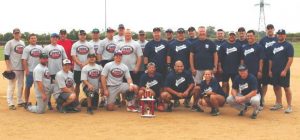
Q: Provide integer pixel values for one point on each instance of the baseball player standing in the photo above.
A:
(79, 53)
(42, 85)
(279, 70)
(12, 54)
(56, 54)
(91, 76)
(105, 52)
(30, 58)
(242, 36)
(65, 42)
(120, 36)
(95, 42)
(169, 35)
(192, 34)
(142, 41)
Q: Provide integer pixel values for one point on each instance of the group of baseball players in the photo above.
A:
(118, 70)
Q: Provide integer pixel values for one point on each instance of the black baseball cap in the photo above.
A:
(95, 30)
(156, 29)
(270, 26)
(54, 35)
(241, 29)
(141, 32)
(63, 31)
(169, 31)
(16, 30)
(82, 32)
(91, 55)
(191, 29)
(43, 55)
(281, 32)
(109, 29)
(242, 67)
(180, 30)
(121, 26)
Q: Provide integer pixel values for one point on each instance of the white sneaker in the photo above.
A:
(276, 107)
(131, 109)
(261, 108)
(288, 110)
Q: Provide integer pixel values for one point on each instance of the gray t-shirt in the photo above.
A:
(107, 48)
(81, 50)
(32, 55)
(92, 74)
(119, 39)
(95, 45)
(14, 49)
(63, 79)
(41, 74)
(142, 44)
(56, 54)
(115, 73)
(131, 51)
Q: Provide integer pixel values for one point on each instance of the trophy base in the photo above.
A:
(147, 116)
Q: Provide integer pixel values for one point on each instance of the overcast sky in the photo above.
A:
(39, 16)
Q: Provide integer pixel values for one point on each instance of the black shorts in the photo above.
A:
(77, 77)
(277, 80)
(265, 80)
(104, 62)
(226, 76)
(89, 93)
(218, 76)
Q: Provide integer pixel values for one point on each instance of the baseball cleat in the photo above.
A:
(12, 107)
(131, 109)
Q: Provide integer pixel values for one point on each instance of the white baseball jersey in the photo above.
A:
(63, 79)
(81, 50)
(56, 54)
(14, 49)
(41, 74)
(131, 51)
(107, 48)
(119, 39)
(92, 74)
(115, 73)
(95, 45)
(32, 55)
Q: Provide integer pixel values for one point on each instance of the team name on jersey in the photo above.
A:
(110, 47)
(179, 81)
(151, 83)
(82, 50)
(159, 48)
(55, 54)
(206, 46)
(179, 48)
(117, 72)
(276, 50)
(19, 49)
(243, 86)
(218, 47)
(269, 44)
(127, 50)
(231, 50)
(209, 89)
(249, 51)
(94, 74)
(35, 52)
(69, 82)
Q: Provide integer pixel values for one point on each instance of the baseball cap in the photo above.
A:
(232, 33)
(242, 67)
(169, 31)
(118, 52)
(156, 29)
(281, 32)
(43, 55)
(191, 29)
(91, 55)
(54, 35)
(270, 26)
(16, 30)
(220, 30)
(241, 29)
(66, 61)
(95, 30)
(82, 32)
(141, 32)
(109, 29)
(121, 26)
(180, 30)
(63, 31)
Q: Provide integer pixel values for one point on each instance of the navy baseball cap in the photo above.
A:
(281, 32)
(91, 55)
(82, 32)
(121, 26)
(191, 29)
(156, 29)
(43, 55)
(180, 30)
(169, 31)
(118, 52)
(241, 29)
(95, 30)
(270, 26)
(109, 29)
(141, 32)
(242, 67)
(54, 35)
(63, 31)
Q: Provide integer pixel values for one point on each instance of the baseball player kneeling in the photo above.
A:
(42, 86)
(90, 76)
(112, 82)
(245, 92)
(64, 89)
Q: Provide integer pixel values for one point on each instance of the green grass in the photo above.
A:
(296, 49)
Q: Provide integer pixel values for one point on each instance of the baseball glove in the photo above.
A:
(10, 75)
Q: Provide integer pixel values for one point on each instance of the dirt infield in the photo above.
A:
(179, 124)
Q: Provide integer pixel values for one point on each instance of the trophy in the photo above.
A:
(147, 104)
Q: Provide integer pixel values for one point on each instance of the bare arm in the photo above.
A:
(99, 57)
(289, 63)
(171, 91)
(25, 66)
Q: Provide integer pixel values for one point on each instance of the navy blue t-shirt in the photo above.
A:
(230, 57)
(212, 86)
(192, 40)
(280, 54)
(155, 83)
(219, 43)
(252, 54)
(180, 50)
(242, 42)
(171, 41)
(203, 54)
(179, 81)
(245, 86)
(156, 51)
(267, 43)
